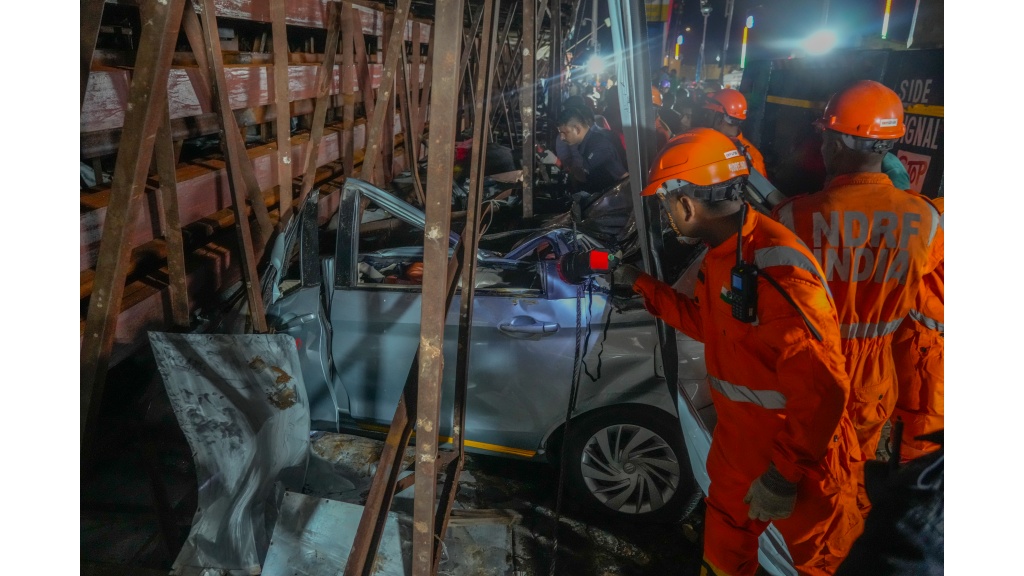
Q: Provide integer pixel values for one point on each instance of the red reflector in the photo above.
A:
(298, 343)
(599, 261)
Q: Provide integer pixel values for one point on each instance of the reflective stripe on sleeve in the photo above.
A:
(936, 222)
(868, 330)
(770, 399)
(929, 323)
(786, 256)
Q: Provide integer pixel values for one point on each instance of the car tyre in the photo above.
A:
(629, 463)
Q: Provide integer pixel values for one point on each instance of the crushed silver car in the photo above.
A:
(348, 292)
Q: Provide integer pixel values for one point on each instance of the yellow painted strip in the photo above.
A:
(502, 449)
(470, 443)
(794, 102)
(918, 109)
(925, 110)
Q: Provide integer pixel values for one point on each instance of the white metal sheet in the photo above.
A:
(242, 406)
(314, 536)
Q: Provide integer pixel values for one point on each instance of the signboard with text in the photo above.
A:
(917, 77)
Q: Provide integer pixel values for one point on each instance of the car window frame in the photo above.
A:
(346, 269)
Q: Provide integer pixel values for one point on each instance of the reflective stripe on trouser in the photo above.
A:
(869, 330)
(919, 357)
(824, 524)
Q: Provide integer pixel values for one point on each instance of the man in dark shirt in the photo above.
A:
(668, 114)
(601, 166)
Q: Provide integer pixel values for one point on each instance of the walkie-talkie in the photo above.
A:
(742, 293)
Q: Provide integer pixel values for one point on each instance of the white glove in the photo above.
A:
(771, 496)
(625, 275)
(548, 157)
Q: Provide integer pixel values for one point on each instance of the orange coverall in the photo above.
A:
(755, 155)
(780, 396)
(875, 242)
(917, 348)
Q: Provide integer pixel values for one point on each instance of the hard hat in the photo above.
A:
(729, 102)
(656, 96)
(866, 109)
(415, 272)
(704, 160)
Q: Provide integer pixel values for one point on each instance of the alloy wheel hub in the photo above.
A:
(630, 469)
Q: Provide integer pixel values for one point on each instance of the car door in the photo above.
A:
(522, 344)
(296, 307)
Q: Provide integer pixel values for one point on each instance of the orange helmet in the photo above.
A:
(704, 161)
(415, 272)
(656, 96)
(866, 109)
(729, 102)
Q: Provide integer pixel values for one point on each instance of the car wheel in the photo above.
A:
(629, 463)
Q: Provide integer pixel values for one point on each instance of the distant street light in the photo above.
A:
(743, 50)
(885, 19)
(705, 9)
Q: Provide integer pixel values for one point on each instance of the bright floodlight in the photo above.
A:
(595, 65)
(820, 42)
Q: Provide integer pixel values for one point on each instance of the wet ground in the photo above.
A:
(145, 465)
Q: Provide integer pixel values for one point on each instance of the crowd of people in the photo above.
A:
(822, 322)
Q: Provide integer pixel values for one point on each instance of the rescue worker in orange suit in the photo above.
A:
(917, 349)
(725, 110)
(874, 242)
(783, 448)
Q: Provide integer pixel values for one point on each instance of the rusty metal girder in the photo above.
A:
(348, 87)
(91, 17)
(428, 76)
(147, 100)
(235, 158)
(394, 53)
(171, 222)
(230, 135)
(282, 123)
(443, 112)
(527, 104)
(471, 240)
(557, 61)
(324, 76)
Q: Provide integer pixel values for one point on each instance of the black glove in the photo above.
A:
(625, 275)
(771, 496)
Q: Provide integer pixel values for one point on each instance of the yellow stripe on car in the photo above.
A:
(470, 443)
